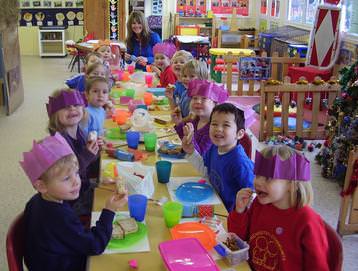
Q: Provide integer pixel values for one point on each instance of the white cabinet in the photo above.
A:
(52, 41)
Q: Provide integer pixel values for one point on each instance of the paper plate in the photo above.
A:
(177, 256)
(194, 192)
(130, 239)
(203, 233)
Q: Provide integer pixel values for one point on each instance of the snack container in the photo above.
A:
(234, 257)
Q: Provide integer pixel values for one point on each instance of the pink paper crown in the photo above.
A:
(66, 98)
(296, 168)
(208, 89)
(165, 48)
(43, 155)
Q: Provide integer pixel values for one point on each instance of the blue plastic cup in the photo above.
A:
(163, 171)
(132, 139)
(137, 205)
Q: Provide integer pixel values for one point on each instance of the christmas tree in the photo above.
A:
(342, 127)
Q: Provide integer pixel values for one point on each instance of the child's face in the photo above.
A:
(105, 52)
(65, 185)
(223, 131)
(93, 60)
(201, 106)
(186, 78)
(71, 115)
(275, 191)
(99, 71)
(161, 61)
(177, 64)
(98, 94)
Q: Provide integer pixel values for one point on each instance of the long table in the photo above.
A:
(157, 230)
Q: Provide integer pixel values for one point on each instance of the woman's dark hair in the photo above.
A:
(229, 108)
(137, 16)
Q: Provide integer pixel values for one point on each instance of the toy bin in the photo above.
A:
(234, 257)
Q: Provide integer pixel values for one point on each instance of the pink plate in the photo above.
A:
(185, 255)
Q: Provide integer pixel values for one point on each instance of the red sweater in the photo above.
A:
(167, 77)
(291, 239)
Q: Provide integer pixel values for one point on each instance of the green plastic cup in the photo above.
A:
(129, 92)
(172, 211)
(150, 141)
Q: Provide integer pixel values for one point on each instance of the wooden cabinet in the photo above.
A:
(100, 16)
(52, 41)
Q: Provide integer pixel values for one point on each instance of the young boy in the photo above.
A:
(55, 237)
(225, 163)
(163, 52)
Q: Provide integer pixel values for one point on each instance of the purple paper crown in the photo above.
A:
(165, 48)
(43, 155)
(66, 98)
(296, 168)
(208, 89)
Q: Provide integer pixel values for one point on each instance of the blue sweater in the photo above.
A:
(56, 239)
(182, 99)
(229, 172)
(145, 51)
(77, 81)
(96, 118)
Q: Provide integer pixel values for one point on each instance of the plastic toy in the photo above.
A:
(133, 263)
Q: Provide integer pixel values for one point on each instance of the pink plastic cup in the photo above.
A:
(149, 80)
(130, 69)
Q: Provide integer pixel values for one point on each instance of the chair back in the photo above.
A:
(335, 253)
(15, 244)
(246, 143)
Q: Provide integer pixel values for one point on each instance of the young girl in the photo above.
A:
(78, 81)
(103, 47)
(66, 109)
(163, 52)
(178, 97)
(55, 237)
(97, 91)
(283, 231)
(179, 59)
(204, 96)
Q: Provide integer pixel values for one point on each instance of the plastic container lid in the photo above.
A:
(203, 233)
(185, 255)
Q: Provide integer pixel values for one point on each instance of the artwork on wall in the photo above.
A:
(157, 6)
(254, 68)
(191, 8)
(113, 20)
(226, 6)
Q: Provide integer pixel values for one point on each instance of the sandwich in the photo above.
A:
(123, 227)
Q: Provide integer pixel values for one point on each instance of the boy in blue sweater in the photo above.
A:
(225, 163)
(55, 237)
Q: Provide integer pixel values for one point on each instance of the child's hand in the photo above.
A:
(187, 141)
(115, 201)
(243, 198)
(169, 92)
(92, 147)
(176, 116)
(100, 142)
(156, 70)
(141, 60)
(127, 56)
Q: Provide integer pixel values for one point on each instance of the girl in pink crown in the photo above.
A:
(163, 52)
(204, 96)
(283, 231)
(55, 237)
(66, 110)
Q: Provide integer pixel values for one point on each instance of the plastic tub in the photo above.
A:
(237, 256)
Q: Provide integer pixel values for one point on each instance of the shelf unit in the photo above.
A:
(52, 41)
(207, 30)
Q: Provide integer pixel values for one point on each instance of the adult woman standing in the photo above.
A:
(140, 40)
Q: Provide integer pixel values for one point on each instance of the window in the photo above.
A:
(351, 15)
(303, 11)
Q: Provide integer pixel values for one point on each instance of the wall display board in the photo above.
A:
(191, 7)
(157, 7)
(254, 68)
(226, 6)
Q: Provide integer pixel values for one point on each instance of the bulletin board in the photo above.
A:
(254, 68)
(191, 7)
(226, 6)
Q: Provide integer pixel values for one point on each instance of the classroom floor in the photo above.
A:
(43, 75)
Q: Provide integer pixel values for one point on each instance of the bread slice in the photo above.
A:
(117, 232)
(128, 225)
(121, 186)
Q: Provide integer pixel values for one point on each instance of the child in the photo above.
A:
(66, 109)
(103, 47)
(97, 90)
(163, 52)
(55, 237)
(179, 59)
(178, 98)
(225, 163)
(78, 81)
(283, 231)
(205, 95)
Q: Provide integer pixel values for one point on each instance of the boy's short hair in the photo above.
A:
(199, 68)
(92, 80)
(69, 161)
(184, 54)
(89, 55)
(229, 108)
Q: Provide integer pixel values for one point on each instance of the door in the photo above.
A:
(95, 18)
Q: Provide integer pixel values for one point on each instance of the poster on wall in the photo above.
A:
(191, 8)
(254, 68)
(226, 6)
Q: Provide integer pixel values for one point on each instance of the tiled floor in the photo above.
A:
(41, 77)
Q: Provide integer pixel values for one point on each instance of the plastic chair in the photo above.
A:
(335, 253)
(15, 244)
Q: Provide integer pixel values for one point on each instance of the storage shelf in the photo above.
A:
(51, 41)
